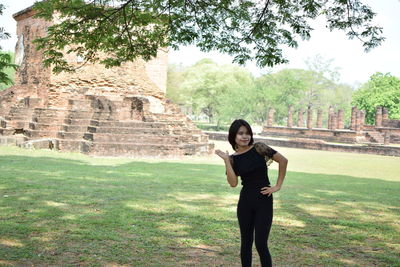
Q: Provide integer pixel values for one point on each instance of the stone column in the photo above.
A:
(309, 117)
(385, 113)
(300, 118)
(330, 117)
(319, 118)
(361, 119)
(333, 121)
(353, 118)
(290, 117)
(378, 117)
(270, 120)
(340, 123)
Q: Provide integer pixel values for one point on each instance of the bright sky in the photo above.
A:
(355, 66)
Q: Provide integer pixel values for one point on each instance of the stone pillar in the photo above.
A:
(330, 117)
(353, 118)
(290, 117)
(300, 118)
(361, 119)
(385, 113)
(378, 116)
(319, 118)
(270, 120)
(309, 117)
(333, 121)
(340, 122)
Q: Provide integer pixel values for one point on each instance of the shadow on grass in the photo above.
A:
(66, 212)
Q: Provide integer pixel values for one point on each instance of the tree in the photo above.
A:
(7, 71)
(248, 30)
(381, 90)
(300, 88)
(221, 92)
(5, 58)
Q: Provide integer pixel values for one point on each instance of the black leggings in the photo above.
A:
(254, 212)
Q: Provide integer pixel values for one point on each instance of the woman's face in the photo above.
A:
(242, 137)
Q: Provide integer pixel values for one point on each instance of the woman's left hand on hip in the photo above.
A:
(269, 190)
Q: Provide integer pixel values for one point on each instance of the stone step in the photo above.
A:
(126, 130)
(71, 135)
(20, 111)
(12, 139)
(134, 138)
(74, 128)
(376, 137)
(16, 118)
(82, 114)
(186, 131)
(79, 115)
(48, 112)
(77, 122)
(47, 120)
(128, 124)
(73, 145)
(128, 149)
(44, 126)
(199, 138)
(198, 148)
(119, 149)
(18, 124)
(7, 131)
(34, 134)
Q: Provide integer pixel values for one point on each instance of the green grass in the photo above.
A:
(67, 209)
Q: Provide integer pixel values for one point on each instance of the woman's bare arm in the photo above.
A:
(230, 173)
(282, 161)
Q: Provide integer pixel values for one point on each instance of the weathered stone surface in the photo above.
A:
(306, 144)
(98, 111)
(358, 132)
(290, 117)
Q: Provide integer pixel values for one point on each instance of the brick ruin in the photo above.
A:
(384, 132)
(96, 111)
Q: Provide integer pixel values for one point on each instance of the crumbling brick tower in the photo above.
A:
(97, 111)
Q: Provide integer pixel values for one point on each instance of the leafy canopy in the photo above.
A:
(381, 90)
(246, 29)
(5, 58)
(227, 92)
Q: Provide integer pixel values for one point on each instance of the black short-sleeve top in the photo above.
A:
(251, 165)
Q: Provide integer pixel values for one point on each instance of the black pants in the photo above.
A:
(254, 212)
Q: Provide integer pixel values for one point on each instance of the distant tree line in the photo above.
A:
(222, 93)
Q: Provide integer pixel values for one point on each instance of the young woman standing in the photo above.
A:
(255, 206)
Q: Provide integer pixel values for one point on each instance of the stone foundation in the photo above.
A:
(385, 131)
(318, 145)
(120, 111)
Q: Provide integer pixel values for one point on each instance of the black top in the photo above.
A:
(251, 165)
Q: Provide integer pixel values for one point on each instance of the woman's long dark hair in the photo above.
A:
(236, 124)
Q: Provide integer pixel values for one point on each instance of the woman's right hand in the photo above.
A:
(223, 155)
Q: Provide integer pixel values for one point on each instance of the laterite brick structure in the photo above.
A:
(120, 111)
(384, 132)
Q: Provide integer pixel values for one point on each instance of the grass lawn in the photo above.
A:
(68, 209)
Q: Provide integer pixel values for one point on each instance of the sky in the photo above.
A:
(354, 65)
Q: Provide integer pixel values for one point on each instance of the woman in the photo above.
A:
(255, 206)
